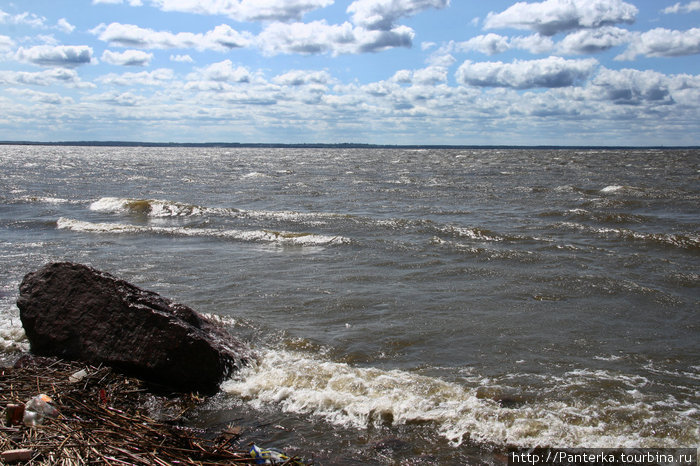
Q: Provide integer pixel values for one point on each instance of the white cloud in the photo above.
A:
(430, 75)
(35, 21)
(43, 78)
(68, 56)
(526, 74)
(383, 14)
(127, 58)
(246, 10)
(402, 76)
(662, 42)
(686, 8)
(306, 38)
(221, 38)
(42, 97)
(6, 43)
(489, 44)
(121, 99)
(593, 40)
(492, 44)
(118, 2)
(65, 26)
(534, 43)
(181, 58)
(631, 87)
(144, 78)
(222, 71)
(318, 37)
(302, 77)
(249, 97)
(26, 18)
(553, 16)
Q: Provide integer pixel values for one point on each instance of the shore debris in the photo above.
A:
(105, 418)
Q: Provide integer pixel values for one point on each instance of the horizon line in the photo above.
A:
(323, 145)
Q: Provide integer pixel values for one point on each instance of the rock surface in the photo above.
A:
(76, 312)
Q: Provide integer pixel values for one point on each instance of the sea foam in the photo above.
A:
(266, 236)
(361, 397)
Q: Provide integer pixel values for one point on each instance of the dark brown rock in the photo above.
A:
(76, 312)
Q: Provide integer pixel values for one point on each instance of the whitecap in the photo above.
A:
(267, 236)
(365, 397)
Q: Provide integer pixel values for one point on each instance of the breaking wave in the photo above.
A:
(361, 397)
(150, 207)
(265, 236)
(165, 208)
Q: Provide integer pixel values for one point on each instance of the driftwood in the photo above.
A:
(102, 420)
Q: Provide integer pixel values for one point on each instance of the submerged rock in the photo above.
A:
(76, 312)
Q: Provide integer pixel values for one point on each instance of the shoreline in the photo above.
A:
(110, 418)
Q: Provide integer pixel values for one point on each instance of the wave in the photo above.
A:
(365, 397)
(151, 207)
(678, 240)
(47, 200)
(265, 236)
(165, 208)
(523, 256)
(600, 217)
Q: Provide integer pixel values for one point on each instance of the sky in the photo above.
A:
(461, 72)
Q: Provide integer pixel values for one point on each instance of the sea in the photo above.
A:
(407, 306)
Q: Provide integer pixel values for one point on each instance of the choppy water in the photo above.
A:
(408, 305)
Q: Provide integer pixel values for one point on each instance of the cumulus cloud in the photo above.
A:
(302, 77)
(492, 44)
(246, 10)
(67, 56)
(554, 16)
(6, 43)
(26, 18)
(43, 78)
(42, 97)
(662, 42)
(222, 71)
(383, 14)
(593, 40)
(118, 2)
(489, 44)
(631, 87)
(221, 38)
(144, 78)
(127, 58)
(318, 37)
(249, 97)
(430, 75)
(549, 72)
(685, 8)
(181, 58)
(125, 99)
(305, 38)
(35, 21)
(65, 26)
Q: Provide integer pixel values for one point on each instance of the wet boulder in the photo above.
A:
(75, 312)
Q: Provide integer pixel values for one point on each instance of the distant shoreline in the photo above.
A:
(344, 145)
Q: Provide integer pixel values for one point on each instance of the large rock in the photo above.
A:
(76, 312)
